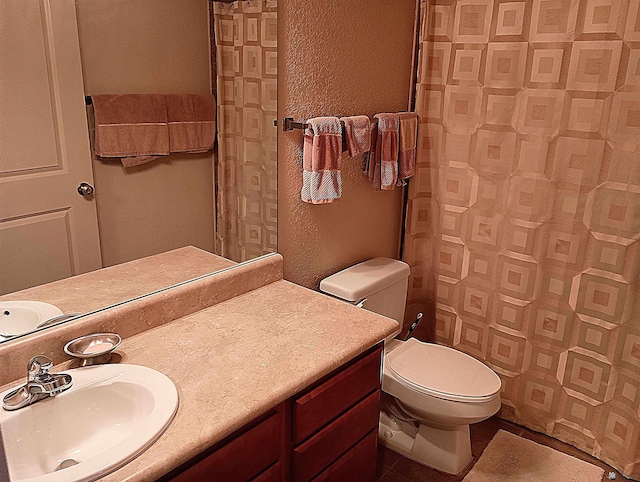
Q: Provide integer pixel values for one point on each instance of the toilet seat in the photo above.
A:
(442, 372)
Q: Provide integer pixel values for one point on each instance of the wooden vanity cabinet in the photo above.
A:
(332, 417)
(255, 452)
(327, 432)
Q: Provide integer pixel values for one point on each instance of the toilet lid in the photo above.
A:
(442, 372)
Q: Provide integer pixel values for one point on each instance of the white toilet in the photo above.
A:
(431, 393)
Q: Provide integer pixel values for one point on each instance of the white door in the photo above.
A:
(47, 230)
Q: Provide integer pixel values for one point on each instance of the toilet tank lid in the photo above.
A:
(363, 279)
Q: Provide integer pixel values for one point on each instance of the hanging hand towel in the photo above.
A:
(371, 160)
(357, 133)
(132, 127)
(386, 155)
(192, 122)
(407, 140)
(322, 161)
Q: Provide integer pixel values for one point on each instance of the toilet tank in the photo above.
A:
(381, 282)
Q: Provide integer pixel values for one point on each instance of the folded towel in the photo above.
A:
(192, 122)
(407, 141)
(357, 133)
(322, 161)
(386, 154)
(132, 127)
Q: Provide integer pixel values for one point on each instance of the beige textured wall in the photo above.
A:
(338, 58)
(146, 46)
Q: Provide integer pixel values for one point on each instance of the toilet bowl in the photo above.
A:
(435, 393)
(431, 393)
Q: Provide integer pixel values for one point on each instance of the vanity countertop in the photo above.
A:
(94, 290)
(235, 360)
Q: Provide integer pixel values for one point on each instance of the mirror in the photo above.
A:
(191, 213)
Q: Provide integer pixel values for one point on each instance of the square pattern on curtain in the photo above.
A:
(246, 48)
(524, 215)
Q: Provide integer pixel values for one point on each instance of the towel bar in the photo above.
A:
(288, 124)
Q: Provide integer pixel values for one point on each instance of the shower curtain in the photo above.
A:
(245, 63)
(524, 217)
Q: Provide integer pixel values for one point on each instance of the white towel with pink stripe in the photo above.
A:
(322, 161)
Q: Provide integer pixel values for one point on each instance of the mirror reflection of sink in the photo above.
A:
(18, 317)
(110, 415)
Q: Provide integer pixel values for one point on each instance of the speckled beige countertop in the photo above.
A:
(235, 360)
(88, 292)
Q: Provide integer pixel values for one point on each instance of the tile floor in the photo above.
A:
(393, 467)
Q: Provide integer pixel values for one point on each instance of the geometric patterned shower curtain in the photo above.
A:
(523, 222)
(246, 61)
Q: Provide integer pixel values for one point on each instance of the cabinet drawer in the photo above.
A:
(272, 474)
(335, 439)
(324, 403)
(242, 458)
(357, 465)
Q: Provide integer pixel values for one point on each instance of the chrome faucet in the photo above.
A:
(40, 384)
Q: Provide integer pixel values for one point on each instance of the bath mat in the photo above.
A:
(516, 459)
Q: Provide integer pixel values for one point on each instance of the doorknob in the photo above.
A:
(85, 189)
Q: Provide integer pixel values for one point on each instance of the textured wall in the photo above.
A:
(523, 221)
(149, 47)
(338, 58)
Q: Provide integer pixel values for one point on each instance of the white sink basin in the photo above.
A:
(110, 415)
(18, 317)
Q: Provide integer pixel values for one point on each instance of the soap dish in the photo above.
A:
(93, 349)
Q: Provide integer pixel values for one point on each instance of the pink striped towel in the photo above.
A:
(322, 161)
(357, 133)
(132, 127)
(407, 145)
(386, 155)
